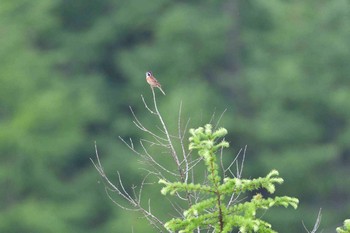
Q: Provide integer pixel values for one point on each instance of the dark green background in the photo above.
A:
(70, 69)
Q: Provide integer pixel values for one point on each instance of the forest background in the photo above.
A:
(69, 70)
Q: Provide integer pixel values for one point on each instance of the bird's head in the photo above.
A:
(148, 74)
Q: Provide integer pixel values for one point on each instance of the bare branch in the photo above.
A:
(135, 202)
(233, 162)
(141, 127)
(173, 152)
(317, 223)
(194, 163)
(176, 207)
(150, 158)
(212, 116)
(222, 162)
(154, 143)
(218, 121)
(113, 188)
(182, 143)
(144, 102)
(240, 171)
(110, 197)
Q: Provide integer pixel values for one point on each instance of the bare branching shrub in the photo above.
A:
(212, 203)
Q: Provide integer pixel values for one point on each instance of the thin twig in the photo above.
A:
(218, 121)
(173, 152)
(144, 102)
(155, 162)
(182, 143)
(153, 220)
(317, 223)
(239, 172)
(141, 127)
(212, 117)
(222, 162)
(233, 162)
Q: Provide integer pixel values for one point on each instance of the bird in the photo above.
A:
(152, 81)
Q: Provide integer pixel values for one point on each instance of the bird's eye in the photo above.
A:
(148, 73)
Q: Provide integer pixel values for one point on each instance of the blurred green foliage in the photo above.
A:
(70, 69)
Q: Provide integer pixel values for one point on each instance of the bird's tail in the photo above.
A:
(161, 90)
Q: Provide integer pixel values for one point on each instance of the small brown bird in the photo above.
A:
(152, 81)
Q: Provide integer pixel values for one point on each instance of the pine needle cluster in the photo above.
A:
(345, 228)
(217, 210)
